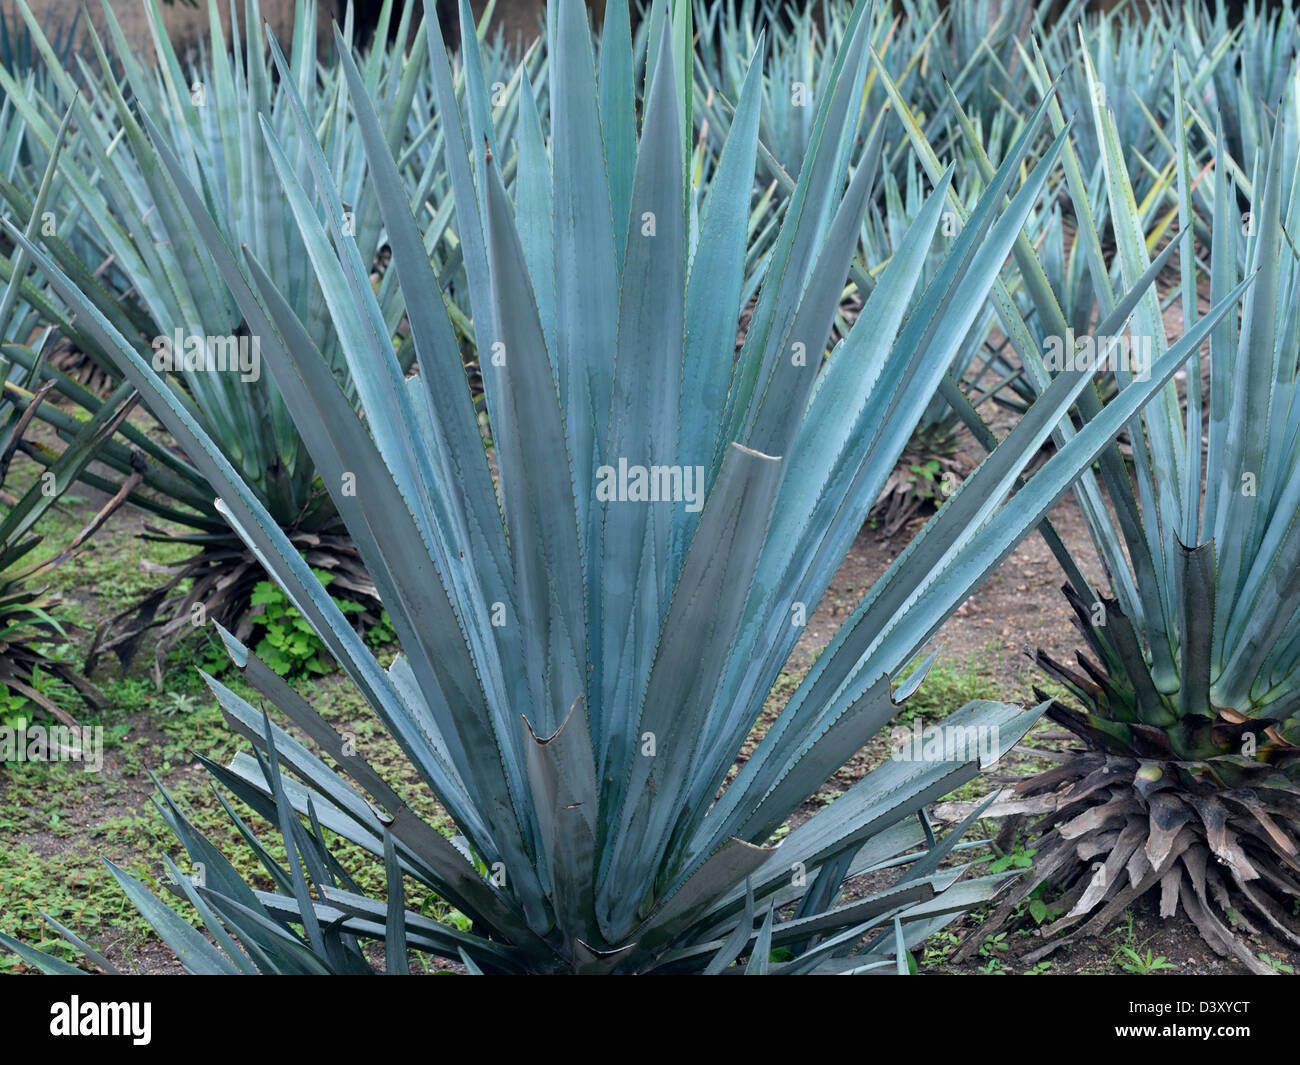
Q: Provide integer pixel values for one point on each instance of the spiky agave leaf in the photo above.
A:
(579, 671)
(933, 462)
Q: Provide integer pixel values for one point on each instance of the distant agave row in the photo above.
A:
(175, 296)
(579, 670)
(952, 67)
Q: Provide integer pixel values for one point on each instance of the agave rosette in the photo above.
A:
(210, 116)
(1190, 698)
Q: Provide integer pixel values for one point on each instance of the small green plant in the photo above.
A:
(287, 644)
(17, 710)
(1278, 966)
(1040, 909)
(926, 479)
(440, 910)
(178, 703)
(1134, 961)
(1016, 858)
(14, 709)
(939, 946)
(994, 945)
(49, 686)
(1129, 956)
(381, 633)
(1042, 968)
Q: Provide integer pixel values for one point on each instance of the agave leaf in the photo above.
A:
(586, 269)
(880, 797)
(1047, 485)
(799, 238)
(1055, 325)
(761, 956)
(542, 515)
(535, 211)
(737, 940)
(852, 913)
(246, 720)
(731, 863)
(81, 945)
(635, 540)
(774, 425)
(47, 963)
(218, 873)
(18, 268)
(698, 633)
(197, 955)
(1256, 378)
(1197, 571)
(617, 118)
(429, 934)
(210, 921)
(374, 368)
(713, 292)
(830, 744)
(562, 773)
(450, 409)
(278, 948)
(395, 957)
(1161, 421)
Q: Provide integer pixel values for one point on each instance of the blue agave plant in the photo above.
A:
(581, 664)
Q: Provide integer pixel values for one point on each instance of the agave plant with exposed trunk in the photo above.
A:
(1190, 699)
(582, 662)
(181, 314)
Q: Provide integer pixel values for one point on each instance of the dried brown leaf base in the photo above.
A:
(929, 468)
(224, 574)
(20, 660)
(1113, 829)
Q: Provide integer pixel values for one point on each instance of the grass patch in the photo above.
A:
(949, 685)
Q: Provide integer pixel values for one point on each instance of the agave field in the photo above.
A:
(715, 488)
